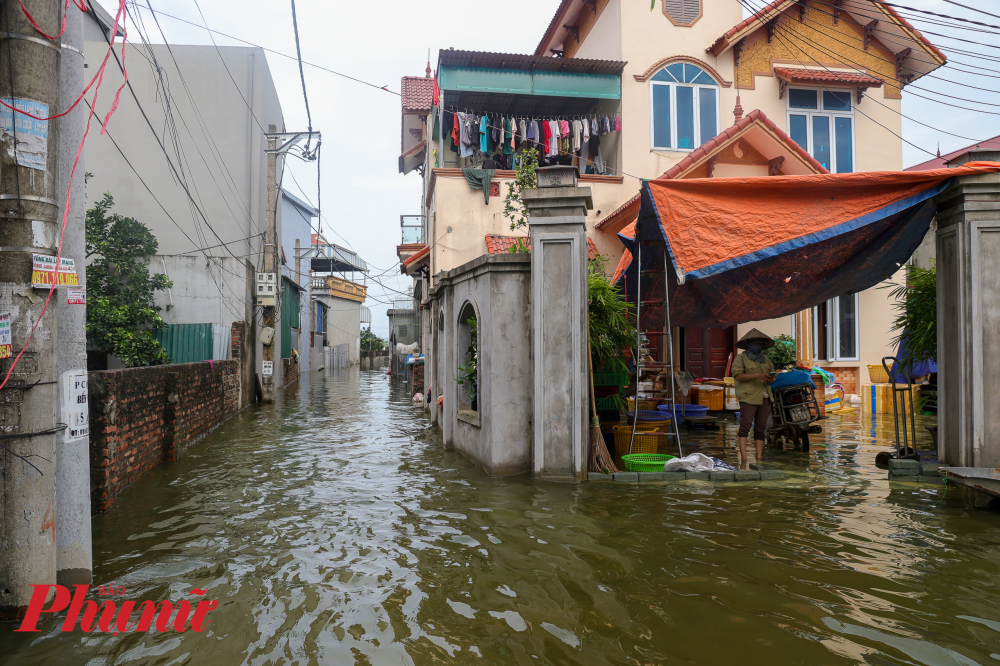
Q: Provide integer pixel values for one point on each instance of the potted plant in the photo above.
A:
(468, 371)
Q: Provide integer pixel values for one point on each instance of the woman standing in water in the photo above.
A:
(753, 372)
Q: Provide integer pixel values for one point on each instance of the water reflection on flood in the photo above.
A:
(334, 529)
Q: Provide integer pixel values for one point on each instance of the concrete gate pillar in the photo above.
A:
(557, 223)
(968, 320)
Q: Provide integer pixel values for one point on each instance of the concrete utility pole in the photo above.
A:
(270, 261)
(29, 224)
(74, 549)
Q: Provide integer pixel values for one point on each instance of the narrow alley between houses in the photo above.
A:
(334, 528)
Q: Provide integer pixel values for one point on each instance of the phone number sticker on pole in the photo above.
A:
(76, 296)
(5, 345)
(43, 268)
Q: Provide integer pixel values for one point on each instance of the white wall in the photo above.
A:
(343, 325)
(206, 290)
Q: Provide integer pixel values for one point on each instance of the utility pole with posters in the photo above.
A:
(270, 268)
(29, 242)
(278, 143)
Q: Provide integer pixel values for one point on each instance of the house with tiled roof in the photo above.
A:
(700, 91)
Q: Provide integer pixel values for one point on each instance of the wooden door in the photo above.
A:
(706, 350)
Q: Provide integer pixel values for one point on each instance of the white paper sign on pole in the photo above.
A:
(76, 296)
(267, 369)
(75, 404)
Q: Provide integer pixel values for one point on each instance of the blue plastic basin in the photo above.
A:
(689, 410)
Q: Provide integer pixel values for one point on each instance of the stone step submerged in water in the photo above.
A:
(718, 476)
(914, 470)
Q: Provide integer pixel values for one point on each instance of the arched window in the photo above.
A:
(683, 107)
(468, 358)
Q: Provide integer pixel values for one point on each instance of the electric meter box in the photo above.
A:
(267, 288)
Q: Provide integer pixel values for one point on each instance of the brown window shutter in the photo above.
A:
(682, 11)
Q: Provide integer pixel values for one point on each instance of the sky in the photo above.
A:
(363, 193)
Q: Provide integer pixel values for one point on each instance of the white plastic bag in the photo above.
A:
(696, 462)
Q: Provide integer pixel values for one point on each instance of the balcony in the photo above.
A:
(462, 219)
(412, 227)
(339, 288)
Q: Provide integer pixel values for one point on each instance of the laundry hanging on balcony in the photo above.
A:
(570, 140)
(749, 249)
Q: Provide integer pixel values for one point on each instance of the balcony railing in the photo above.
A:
(340, 288)
(412, 228)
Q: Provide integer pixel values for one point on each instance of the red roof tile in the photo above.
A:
(417, 93)
(826, 76)
(942, 162)
(497, 244)
(417, 255)
(631, 207)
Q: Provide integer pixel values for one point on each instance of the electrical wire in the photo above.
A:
(216, 152)
(170, 163)
(302, 74)
(384, 88)
(162, 207)
(779, 28)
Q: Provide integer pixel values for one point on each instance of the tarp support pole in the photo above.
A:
(638, 338)
(670, 343)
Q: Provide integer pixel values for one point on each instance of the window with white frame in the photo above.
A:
(683, 107)
(836, 331)
(822, 122)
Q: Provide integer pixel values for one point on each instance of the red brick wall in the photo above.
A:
(140, 417)
(848, 378)
(241, 347)
(126, 429)
(289, 371)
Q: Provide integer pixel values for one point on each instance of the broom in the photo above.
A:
(600, 458)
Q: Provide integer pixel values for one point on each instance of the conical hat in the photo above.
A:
(754, 334)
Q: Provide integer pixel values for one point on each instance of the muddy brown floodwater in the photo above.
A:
(334, 529)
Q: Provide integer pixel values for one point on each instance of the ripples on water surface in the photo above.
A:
(334, 529)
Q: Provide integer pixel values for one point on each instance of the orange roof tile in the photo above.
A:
(826, 76)
(497, 244)
(417, 93)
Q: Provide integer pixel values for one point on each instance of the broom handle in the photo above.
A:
(590, 366)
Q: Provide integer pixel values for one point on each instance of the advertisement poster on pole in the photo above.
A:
(32, 135)
(5, 346)
(43, 268)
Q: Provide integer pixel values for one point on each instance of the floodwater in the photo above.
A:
(333, 529)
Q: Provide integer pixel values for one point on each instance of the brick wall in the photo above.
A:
(289, 371)
(140, 417)
(849, 378)
(241, 348)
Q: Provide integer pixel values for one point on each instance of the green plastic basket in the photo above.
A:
(645, 462)
(610, 378)
(608, 403)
